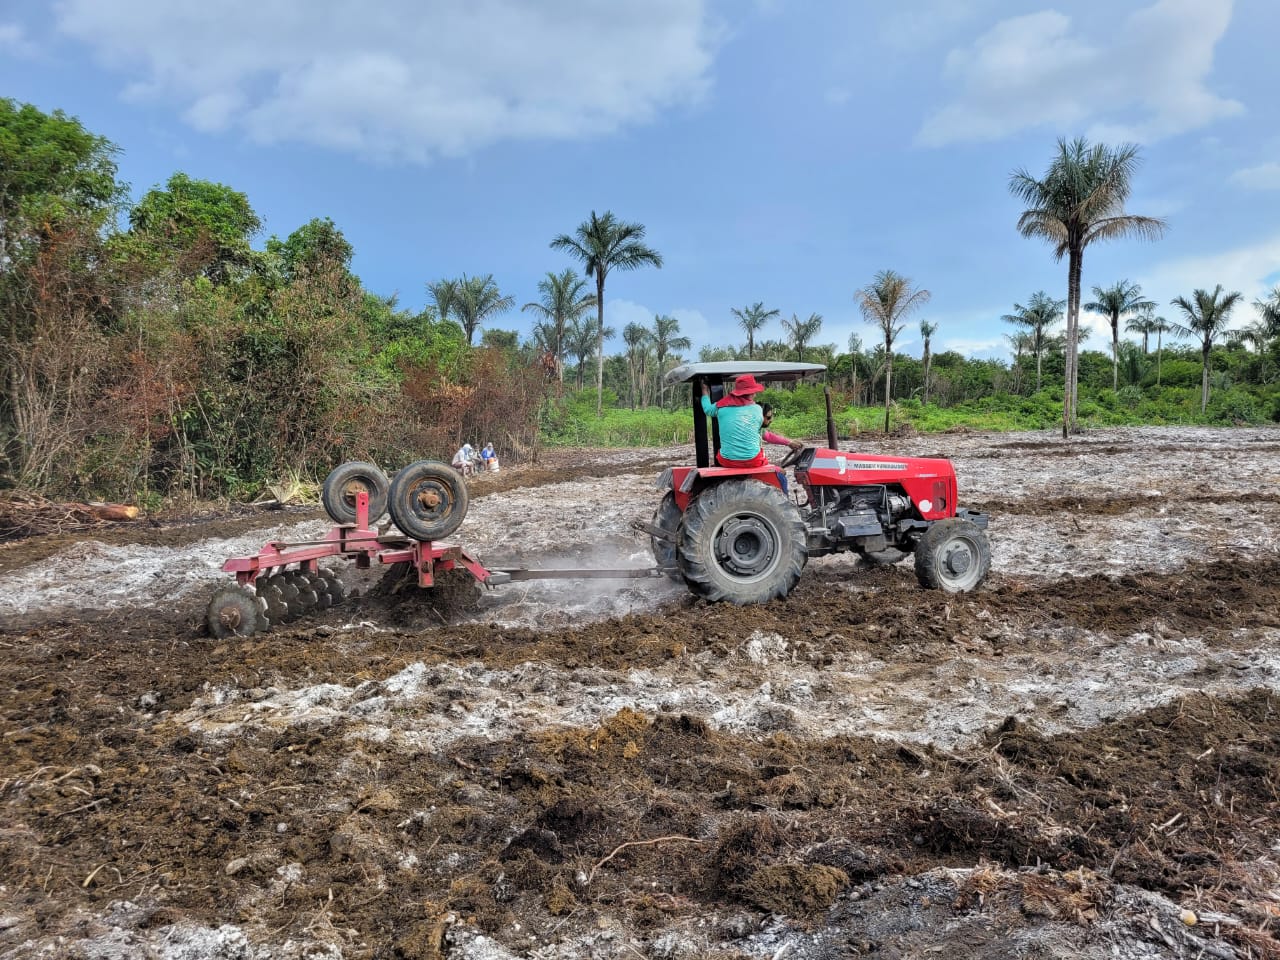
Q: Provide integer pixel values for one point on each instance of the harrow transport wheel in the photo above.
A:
(953, 555)
(667, 552)
(743, 541)
(428, 500)
(343, 483)
(233, 612)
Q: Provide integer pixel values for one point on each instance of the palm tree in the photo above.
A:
(927, 330)
(1269, 308)
(1040, 313)
(1143, 322)
(800, 332)
(885, 302)
(603, 244)
(1160, 326)
(1080, 200)
(665, 340)
(751, 319)
(562, 301)
(1207, 315)
(444, 293)
(477, 299)
(1114, 302)
(580, 342)
(636, 336)
(1020, 341)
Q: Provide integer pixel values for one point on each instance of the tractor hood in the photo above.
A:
(764, 370)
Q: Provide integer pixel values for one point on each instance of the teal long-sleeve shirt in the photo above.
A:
(739, 428)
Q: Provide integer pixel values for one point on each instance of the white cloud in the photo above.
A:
(404, 78)
(1143, 79)
(13, 40)
(1252, 269)
(1265, 176)
(972, 347)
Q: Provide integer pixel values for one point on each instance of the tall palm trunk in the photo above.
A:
(1074, 269)
(1159, 337)
(888, 380)
(1204, 376)
(927, 360)
(1115, 353)
(599, 341)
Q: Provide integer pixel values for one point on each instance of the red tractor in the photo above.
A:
(743, 535)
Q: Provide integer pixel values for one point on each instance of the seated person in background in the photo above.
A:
(488, 459)
(740, 419)
(464, 460)
(766, 409)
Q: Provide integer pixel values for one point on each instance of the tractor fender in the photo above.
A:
(688, 482)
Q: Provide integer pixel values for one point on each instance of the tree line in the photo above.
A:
(153, 348)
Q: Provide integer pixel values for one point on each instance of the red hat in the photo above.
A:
(745, 386)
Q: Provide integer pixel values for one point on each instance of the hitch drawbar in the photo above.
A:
(620, 573)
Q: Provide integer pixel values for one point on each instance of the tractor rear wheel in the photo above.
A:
(743, 541)
(233, 612)
(428, 500)
(953, 555)
(666, 553)
(343, 483)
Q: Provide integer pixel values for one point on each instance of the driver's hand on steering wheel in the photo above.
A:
(796, 446)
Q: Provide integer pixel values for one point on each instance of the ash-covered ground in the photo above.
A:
(1080, 759)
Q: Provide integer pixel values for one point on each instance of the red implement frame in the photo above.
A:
(364, 544)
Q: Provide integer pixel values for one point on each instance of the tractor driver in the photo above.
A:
(740, 419)
(766, 410)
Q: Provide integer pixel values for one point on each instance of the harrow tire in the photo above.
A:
(744, 542)
(428, 500)
(953, 555)
(233, 612)
(666, 553)
(346, 480)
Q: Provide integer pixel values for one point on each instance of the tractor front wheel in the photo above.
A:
(666, 553)
(953, 555)
(428, 500)
(743, 541)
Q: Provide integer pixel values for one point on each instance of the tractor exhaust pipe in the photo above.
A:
(831, 421)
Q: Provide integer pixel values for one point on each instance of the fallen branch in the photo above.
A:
(638, 843)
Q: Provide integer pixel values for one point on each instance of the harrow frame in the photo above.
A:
(364, 544)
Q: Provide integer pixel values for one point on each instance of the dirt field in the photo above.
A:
(1082, 759)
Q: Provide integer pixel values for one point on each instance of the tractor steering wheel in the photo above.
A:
(792, 458)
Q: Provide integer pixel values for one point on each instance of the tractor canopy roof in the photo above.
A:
(764, 370)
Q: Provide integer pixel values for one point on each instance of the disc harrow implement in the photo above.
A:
(284, 581)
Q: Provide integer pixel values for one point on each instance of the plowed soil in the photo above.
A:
(1080, 759)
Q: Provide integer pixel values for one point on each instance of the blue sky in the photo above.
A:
(776, 151)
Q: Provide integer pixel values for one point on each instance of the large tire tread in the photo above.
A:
(411, 491)
(666, 553)
(707, 577)
(944, 538)
(347, 479)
